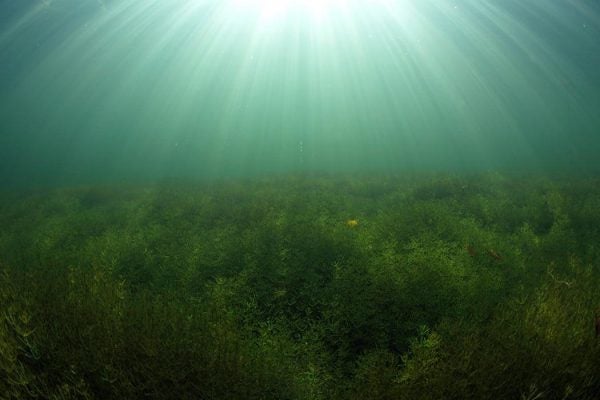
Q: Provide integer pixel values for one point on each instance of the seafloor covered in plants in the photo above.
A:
(429, 287)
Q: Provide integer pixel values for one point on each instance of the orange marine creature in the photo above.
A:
(352, 223)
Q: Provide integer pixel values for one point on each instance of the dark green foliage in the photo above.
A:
(440, 287)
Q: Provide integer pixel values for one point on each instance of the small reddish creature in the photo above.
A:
(490, 252)
(494, 255)
(471, 250)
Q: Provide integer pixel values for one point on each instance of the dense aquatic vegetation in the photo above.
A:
(303, 288)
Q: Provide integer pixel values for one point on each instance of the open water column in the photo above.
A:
(118, 89)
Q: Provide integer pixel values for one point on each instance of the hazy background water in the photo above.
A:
(131, 90)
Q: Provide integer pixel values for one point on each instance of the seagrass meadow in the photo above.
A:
(299, 199)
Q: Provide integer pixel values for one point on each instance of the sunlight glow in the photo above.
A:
(279, 10)
(296, 5)
(224, 86)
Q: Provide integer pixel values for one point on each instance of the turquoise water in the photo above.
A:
(121, 90)
(299, 199)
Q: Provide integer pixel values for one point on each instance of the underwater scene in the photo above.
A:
(299, 199)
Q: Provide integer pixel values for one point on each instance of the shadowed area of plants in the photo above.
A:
(441, 287)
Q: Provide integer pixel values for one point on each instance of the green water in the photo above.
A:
(94, 90)
(301, 199)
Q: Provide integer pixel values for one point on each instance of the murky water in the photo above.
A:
(135, 91)
(301, 199)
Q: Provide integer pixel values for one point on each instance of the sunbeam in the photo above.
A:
(203, 86)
